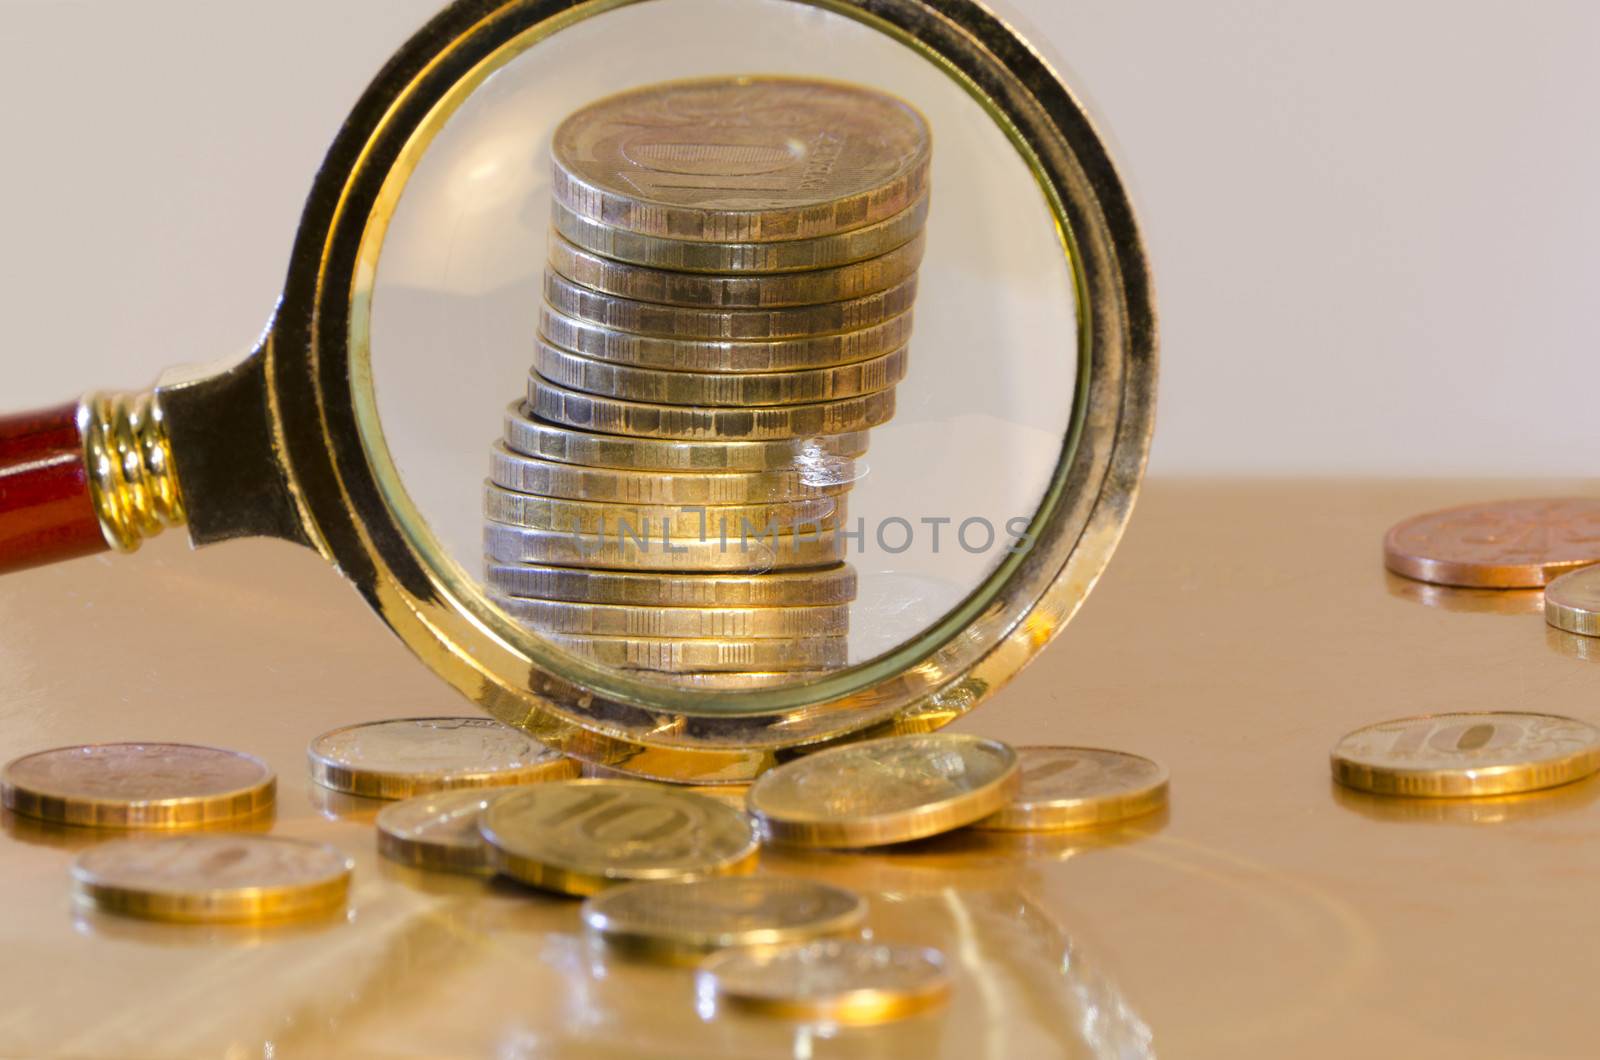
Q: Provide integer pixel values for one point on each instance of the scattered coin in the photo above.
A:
(1501, 545)
(885, 791)
(735, 291)
(137, 785)
(789, 255)
(741, 159)
(439, 830)
(580, 836)
(611, 620)
(1072, 787)
(412, 756)
(678, 920)
(1572, 602)
(828, 982)
(212, 877)
(805, 455)
(1458, 754)
(691, 423)
(719, 389)
(835, 585)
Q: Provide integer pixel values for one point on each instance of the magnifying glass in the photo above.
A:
(452, 397)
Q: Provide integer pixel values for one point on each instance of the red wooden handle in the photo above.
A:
(46, 513)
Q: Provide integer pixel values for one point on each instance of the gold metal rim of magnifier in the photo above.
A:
(288, 444)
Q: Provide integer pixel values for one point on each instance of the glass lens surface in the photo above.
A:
(653, 451)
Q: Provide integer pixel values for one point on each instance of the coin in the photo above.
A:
(1572, 602)
(137, 785)
(827, 981)
(789, 255)
(676, 920)
(1503, 545)
(675, 287)
(212, 877)
(679, 322)
(639, 419)
(732, 681)
(610, 620)
(1448, 755)
(741, 158)
(885, 791)
(411, 756)
(719, 388)
(707, 655)
(439, 830)
(608, 485)
(810, 455)
(693, 522)
(580, 836)
(503, 543)
(723, 355)
(1070, 787)
(834, 585)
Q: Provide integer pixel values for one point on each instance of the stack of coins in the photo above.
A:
(727, 311)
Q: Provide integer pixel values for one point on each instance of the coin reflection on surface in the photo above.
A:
(1573, 646)
(342, 806)
(1466, 601)
(36, 832)
(1489, 809)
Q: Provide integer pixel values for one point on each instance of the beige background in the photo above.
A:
(1372, 224)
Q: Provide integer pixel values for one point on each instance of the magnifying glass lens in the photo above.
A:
(726, 346)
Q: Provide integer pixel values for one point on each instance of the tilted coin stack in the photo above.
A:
(727, 308)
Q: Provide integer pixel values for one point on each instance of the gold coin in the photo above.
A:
(712, 355)
(1071, 787)
(771, 291)
(827, 982)
(805, 456)
(708, 655)
(412, 756)
(580, 836)
(732, 681)
(693, 522)
(638, 419)
(610, 620)
(719, 388)
(885, 791)
(677, 920)
(789, 255)
(609, 485)
(1449, 755)
(503, 543)
(742, 158)
(137, 785)
(833, 585)
(439, 830)
(679, 322)
(212, 877)
(1572, 602)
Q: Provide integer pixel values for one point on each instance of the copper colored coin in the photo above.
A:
(1501, 545)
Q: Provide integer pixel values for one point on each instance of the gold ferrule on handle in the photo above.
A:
(129, 458)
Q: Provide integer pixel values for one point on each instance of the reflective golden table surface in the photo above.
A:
(1242, 629)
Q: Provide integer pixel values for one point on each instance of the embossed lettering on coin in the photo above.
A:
(581, 835)
(1506, 544)
(1467, 754)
